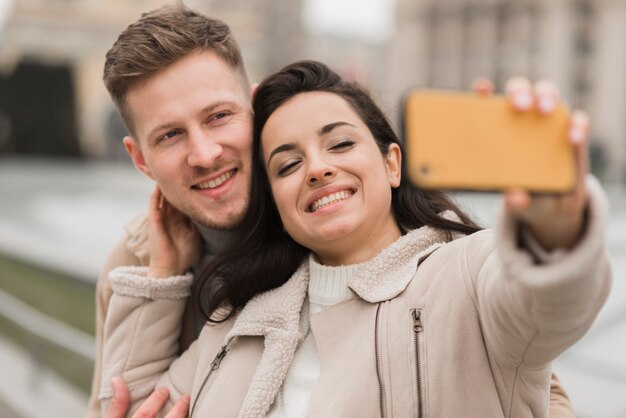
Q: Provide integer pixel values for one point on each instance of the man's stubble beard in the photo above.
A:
(234, 209)
(234, 215)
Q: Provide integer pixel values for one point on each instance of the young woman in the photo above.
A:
(352, 293)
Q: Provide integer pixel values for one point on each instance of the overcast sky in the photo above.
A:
(365, 20)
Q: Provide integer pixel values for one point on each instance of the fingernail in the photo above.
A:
(522, 100)
(186, 399)
(577, 135)
(546, 104)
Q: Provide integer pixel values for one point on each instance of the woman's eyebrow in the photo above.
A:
(279, 149)
(329, 127)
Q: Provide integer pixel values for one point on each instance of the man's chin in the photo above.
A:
(217, 215)
(225, 223)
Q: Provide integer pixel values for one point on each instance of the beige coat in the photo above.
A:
(467, 328)
(131, 250)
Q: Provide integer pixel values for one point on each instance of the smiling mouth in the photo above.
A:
(329, 200)
(214, 183)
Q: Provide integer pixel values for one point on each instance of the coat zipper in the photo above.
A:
(418, 327)
(379, 373)
(215, 364)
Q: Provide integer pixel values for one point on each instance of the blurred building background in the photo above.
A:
(67, 186)
(52, 53)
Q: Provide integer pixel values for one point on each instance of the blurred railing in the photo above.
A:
(46, 327)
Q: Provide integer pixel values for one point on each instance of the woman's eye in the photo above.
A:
(287, 168)
(342, 144)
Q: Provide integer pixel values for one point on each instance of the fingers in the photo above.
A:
(150, 408)
(153, 404)
(523, 96)
(579, 128)
(519, 92)
(120, 400)
(546, 97)
(517, 202)
(181, 408)
(156, 211)
(579, 138)
(483, 86)
(156, 202)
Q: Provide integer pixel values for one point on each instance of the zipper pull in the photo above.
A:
(417, 320)
(219, 357)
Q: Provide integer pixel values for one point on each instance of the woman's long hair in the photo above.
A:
(263, 256)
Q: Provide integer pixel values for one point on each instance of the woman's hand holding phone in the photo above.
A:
(174, 240)
(556, 221)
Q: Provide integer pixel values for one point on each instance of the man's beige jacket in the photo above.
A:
(461, 329)
(131, 250)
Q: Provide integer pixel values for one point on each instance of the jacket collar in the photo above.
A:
(387, 275)
(280, 315)
(274, 315)
(381, 278)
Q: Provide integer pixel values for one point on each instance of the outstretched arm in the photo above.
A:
(545, 283)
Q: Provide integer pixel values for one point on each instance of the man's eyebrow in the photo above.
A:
(166, 126)
(328, 128)
(207, 109)
(279, 149)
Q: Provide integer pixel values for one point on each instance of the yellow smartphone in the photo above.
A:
(462, 141)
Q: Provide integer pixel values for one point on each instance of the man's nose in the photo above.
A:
(204, 150)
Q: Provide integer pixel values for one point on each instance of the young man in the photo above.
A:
(178, 81)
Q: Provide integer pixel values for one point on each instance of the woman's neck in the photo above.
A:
(358, 250)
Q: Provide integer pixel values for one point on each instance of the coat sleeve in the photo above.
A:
(119, 256)
(534, 306)
(141, 335)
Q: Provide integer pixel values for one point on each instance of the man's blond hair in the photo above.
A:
(159, 39)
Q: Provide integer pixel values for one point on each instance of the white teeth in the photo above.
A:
(211, 184)
(327, 200)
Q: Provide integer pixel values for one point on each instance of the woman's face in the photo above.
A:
(331, 184)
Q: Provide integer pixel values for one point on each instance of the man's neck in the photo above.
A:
(215, 240)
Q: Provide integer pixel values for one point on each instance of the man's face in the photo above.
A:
(192, 134)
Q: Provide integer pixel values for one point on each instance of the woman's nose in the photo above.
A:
(319, 174)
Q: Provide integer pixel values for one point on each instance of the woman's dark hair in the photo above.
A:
(263, 256)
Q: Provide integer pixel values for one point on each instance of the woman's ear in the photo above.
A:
(393, 162)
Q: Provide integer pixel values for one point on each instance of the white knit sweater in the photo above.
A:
(327, 287)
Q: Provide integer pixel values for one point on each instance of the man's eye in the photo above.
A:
(218, 118)
(169, 135)
(346, 143)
